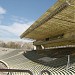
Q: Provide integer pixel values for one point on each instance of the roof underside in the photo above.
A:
(57, 20)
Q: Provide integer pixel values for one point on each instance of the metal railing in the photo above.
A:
(15, 72)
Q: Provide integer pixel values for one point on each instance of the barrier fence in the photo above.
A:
(15, 72)
(20, 72)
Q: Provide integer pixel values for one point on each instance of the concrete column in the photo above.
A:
(68, 61)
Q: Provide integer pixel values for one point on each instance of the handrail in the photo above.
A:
(16, 70)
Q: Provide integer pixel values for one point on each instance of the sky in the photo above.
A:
(17, 15)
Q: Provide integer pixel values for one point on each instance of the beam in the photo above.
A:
(56, 42)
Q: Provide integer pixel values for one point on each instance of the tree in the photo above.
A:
(2, 44)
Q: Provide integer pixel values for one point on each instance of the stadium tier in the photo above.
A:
(56, 27)
(36, 63)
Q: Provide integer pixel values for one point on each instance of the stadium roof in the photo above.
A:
(57, 20)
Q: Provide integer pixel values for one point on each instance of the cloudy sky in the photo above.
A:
(17, 15)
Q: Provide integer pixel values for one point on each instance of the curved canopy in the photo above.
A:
(57, 20)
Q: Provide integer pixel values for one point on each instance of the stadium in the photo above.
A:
(54, 38)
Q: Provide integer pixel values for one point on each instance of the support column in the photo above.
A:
(38, 47)
(68, 61)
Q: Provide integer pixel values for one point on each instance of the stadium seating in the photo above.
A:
(25, 61)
